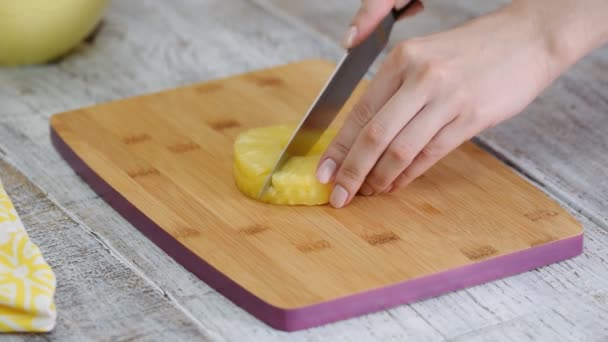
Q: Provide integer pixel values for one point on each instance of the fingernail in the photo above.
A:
(326, 170)
(338, 197)
(349, 37)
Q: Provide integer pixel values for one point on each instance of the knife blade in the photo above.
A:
(335, 93)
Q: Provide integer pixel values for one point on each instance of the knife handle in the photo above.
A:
(397, 13)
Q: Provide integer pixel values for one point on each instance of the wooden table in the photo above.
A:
(114, 284)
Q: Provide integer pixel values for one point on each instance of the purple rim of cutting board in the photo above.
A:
(337, 309)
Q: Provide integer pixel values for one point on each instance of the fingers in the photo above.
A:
(369, 16)
(374, 138)
(365, 21)
(381, 88)
(407, 145)
(447, 139)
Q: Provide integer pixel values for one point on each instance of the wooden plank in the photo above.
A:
(468, 216)
(98, 296)
(145, 47)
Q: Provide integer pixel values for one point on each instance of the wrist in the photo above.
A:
(566, 30)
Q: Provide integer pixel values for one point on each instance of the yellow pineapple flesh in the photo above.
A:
(255, 152)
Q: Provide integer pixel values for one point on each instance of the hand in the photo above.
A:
(433, 93)
(370, 14)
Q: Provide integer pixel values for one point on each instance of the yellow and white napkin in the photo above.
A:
(27, 282)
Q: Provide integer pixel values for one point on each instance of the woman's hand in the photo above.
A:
(433, 93)
(370, 14)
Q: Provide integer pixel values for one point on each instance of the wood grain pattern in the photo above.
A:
(559, 140)
(146, 46)
(87, 274)
(469, 208)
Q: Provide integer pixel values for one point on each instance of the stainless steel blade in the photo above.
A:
(336, 92)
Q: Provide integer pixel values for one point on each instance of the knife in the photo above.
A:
(336, 92)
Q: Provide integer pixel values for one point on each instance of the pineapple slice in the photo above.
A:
(295, 183)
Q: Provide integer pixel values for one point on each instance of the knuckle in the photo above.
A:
(339, 148)
(434, 150)
(361, 114)
(402, 153)
(462, 99)
(436, 72)
(374, 133)
(379, 182)
(349, 175)
(403, 179)
(408, 49)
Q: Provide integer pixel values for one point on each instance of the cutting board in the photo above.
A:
(164, 161)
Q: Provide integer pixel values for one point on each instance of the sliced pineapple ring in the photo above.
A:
(255, 152)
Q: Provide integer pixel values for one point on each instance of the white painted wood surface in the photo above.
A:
(115, 284)
(98, 295)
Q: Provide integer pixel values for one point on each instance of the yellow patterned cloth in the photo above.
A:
(27, 283)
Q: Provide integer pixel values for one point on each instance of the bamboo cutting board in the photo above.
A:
(164, 161)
